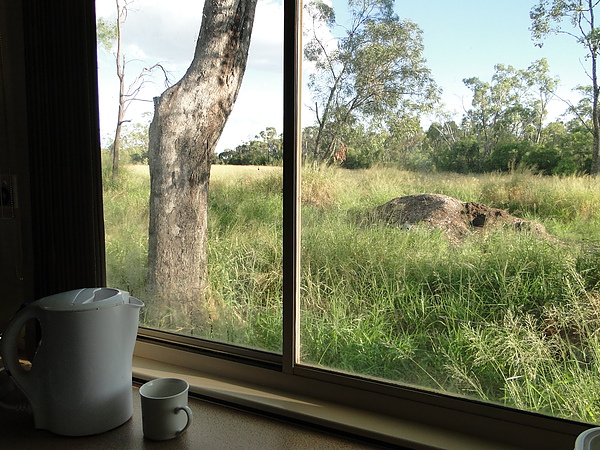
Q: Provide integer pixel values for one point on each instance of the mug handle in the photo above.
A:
(188, 411)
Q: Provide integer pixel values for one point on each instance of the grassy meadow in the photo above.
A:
(508, 317)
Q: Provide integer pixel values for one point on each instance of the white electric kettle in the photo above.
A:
(80, 379)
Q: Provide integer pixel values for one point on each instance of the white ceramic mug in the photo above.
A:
(165, 413)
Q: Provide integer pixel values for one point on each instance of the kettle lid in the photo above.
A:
(84, 299)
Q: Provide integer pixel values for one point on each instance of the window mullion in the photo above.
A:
(291, 181)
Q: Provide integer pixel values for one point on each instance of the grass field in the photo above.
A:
(509, 317)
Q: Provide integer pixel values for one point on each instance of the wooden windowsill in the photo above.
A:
(300, 409)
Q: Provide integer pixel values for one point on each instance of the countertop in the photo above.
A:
(215, 426)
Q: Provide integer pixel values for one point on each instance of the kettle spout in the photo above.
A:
(135, 302)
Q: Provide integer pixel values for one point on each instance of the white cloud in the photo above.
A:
(260, 101)
(163, 32)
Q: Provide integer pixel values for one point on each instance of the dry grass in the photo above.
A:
(219, 171)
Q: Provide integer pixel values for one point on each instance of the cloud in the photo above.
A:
(166, 32)
(266, 47)
(260, 101)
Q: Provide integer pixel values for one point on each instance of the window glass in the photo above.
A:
(449, 222)
(447, 237)
(241, 301)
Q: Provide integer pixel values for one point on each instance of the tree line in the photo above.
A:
(504, 128)
(369, 89)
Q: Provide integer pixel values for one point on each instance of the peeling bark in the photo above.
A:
(188, 120)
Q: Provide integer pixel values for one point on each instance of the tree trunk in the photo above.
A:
(120, 116)
(189, 118)
(595, 170)
(115, 152)
(593, 48)
(120, 63)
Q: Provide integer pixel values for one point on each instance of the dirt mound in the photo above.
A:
(455, 218)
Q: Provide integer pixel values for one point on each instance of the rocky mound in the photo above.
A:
(455, 218)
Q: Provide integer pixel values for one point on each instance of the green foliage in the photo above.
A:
(561, 151)
(550, 17)
(266, 149)
(506, 157)
(106, 33)
(134, 142)
(376, 70)
(463, 156)
(543, 159)
(369, 111)
(503, 131)
(355, 159)
(511, 106)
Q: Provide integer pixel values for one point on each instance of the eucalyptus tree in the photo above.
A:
(441, 136)
(541, 86)
(188, 121)
(576, 19)
(512, 106)
(372, 69)
(110, 38)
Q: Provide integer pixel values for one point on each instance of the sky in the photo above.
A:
(468, 38)
(462, 39)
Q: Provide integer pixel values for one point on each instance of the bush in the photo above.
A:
(565, 166)
(542, 159)
(462, 157)
(355, 159)
(505, 157)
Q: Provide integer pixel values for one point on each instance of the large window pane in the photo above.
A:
(457, 248)
(242, 303)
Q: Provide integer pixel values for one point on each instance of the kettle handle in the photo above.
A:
(10, 338)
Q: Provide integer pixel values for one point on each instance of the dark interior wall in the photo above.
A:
(15, 218)
(61, 176)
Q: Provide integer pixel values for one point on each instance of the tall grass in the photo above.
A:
(245, 255)
(506, 317)
(126, 228)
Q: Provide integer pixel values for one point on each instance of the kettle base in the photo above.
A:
(86, 430)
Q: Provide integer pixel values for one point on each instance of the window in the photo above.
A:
(244, 220)
(354, 307)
